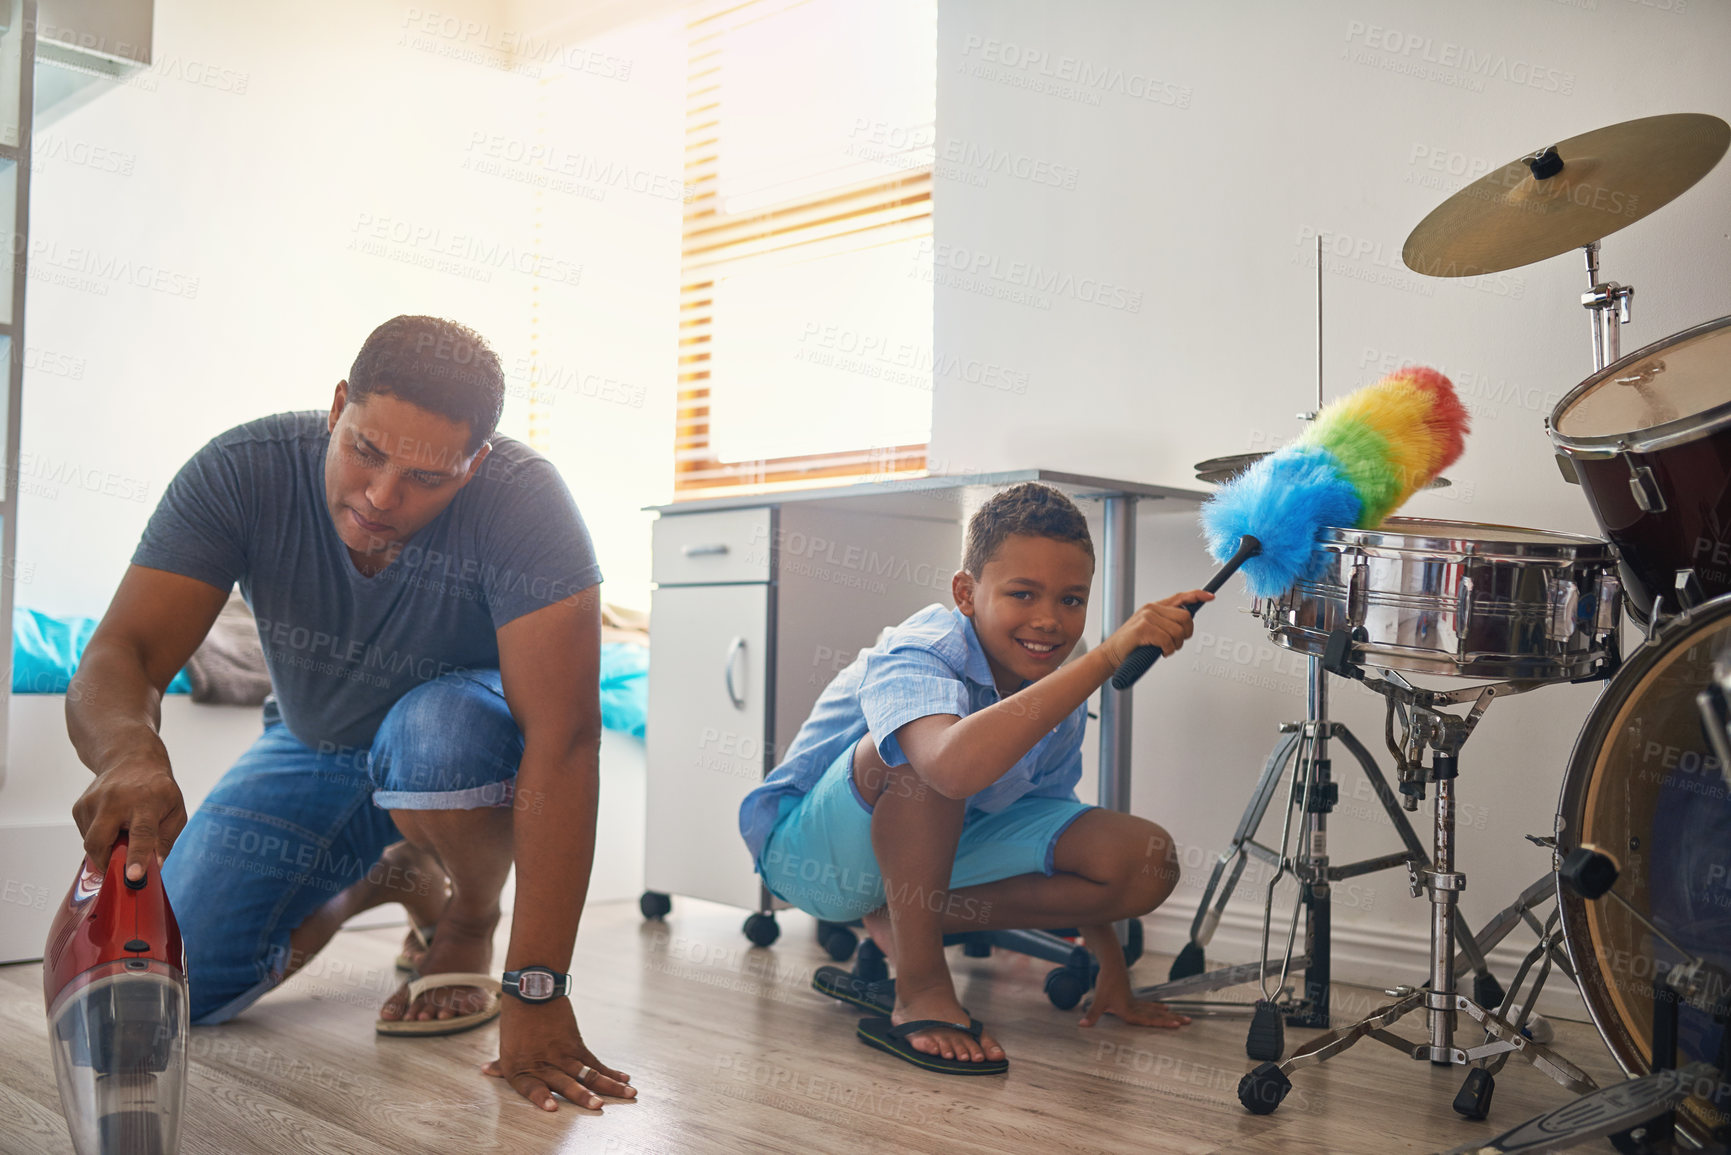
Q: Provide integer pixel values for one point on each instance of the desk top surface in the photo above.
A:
(944, 487)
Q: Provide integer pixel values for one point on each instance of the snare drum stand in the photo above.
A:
(1311, 789)
(1442, 735)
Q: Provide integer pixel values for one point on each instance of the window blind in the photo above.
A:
(805, 307)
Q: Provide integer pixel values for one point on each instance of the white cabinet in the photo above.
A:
(708, 711)
(755, 610)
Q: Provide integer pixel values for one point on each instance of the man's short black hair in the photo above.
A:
(439, 365)
(1029, 508)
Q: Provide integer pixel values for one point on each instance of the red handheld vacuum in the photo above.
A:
(114, 979)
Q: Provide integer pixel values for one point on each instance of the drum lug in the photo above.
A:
(1645, 489)
(1565, 599)
(1609, 596)
(1688, 588)
(1567, 469)
(1357, 593)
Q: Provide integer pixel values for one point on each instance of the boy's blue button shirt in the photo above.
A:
(930, 664)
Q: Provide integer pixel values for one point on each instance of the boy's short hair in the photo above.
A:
(1029, 508)
(439, 365)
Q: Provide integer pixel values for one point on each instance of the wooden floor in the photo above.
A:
(734, 1053)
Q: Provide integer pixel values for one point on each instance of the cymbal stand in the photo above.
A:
(1427, 730)
(1607, 305)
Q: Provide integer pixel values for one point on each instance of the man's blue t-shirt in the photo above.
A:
(930, 664)
(342, 648)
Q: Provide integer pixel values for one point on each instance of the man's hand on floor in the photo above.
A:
(541, 1052)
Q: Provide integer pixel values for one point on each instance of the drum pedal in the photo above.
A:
(1267, 1038)
(1190, 961)
(1473, 1101)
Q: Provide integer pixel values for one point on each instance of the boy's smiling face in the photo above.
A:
(1029, 606)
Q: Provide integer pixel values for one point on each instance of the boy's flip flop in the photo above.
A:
(881, 1034)
(878, 997)
(425, 1027)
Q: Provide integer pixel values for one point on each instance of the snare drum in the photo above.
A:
(1649, 439)
(1645, 786)
(1458, 599)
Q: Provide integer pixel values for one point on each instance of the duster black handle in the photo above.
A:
(1142, 658)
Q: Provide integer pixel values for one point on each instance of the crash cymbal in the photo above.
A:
(1219, 469)
(1566, 196)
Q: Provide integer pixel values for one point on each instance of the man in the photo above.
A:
(427, 597)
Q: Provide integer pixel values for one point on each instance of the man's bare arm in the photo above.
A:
(114, 709)
(549, 661)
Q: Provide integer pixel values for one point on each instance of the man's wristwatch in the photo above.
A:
(537, 984)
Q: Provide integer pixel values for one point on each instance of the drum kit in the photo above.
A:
(1639, 877)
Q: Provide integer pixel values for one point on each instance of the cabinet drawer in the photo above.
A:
(726, 546)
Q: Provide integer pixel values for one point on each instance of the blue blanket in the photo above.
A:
(46, 649)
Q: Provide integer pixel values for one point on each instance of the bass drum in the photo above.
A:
(1644, 786)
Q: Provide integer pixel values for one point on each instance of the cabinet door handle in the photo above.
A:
(734, 650)
(711, 550)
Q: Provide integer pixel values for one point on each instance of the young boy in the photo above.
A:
(932, 790)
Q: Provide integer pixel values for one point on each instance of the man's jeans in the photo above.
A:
(289, 826)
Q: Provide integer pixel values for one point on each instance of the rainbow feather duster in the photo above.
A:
(1359, 461)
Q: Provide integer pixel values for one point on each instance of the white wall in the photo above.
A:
(1228, 135)
(330, 177)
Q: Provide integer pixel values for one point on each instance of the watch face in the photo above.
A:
(536, 985)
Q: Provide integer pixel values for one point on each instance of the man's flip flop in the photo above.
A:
(878, 997)
(423, 936)
(452, 1026)
(881, 1034)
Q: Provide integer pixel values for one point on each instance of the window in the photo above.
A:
(806, 303)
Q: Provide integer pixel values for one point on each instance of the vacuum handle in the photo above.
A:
(117, 863)
(1142, 658)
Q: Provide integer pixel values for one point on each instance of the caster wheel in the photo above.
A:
(1267, 1039)
(1133, 942)
(837, 940)
(869, 965)
(1065, 986)
(1263, 1088)
(654, 905)
(1487, 992)
(1474, 1098)
(976, 946)
(1188, 963)
(762, 929)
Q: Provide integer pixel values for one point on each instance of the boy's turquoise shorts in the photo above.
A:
(819, 856)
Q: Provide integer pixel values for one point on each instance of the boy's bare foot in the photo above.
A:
(462, 944)
(938, 1001)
